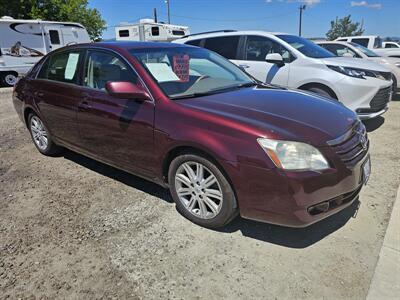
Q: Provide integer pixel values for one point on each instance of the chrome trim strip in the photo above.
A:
(345, 136)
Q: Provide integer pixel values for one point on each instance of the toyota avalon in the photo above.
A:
(191, 121)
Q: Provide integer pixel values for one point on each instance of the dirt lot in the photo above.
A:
(73, 228)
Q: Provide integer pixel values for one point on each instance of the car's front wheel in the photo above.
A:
(41, 136)
(201, 191)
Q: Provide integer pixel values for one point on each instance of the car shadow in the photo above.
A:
(119, 175)
(293, 237)
(279, 235)
(374, 124)
(396, 97)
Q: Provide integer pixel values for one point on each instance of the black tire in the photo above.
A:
(228, 209)
(394, 85)
(51, 149)
(9, 79)
(320, 91)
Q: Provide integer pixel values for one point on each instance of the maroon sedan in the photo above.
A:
(188, 119)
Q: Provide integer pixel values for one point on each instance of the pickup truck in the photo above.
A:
(372, 42)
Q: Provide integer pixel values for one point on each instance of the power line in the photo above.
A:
(232, 20)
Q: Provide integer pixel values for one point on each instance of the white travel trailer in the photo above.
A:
(24, 42)
(148, 30)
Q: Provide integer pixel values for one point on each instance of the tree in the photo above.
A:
(344, 27)
(56, 10)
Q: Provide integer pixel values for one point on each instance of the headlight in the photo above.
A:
(358, 73)
(293, 155)
(361, 73)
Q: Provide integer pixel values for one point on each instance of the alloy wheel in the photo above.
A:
(198, 189)
(39, 133)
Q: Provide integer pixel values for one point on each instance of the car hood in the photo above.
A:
(387, 52)
(277, 113)
(386, 60)
(355, 63)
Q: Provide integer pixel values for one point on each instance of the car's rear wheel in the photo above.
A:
(41, 136)
(9, 79)
(201, 191)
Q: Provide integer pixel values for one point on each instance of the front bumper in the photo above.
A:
(367, 97)
(287, 198)
(367, 116)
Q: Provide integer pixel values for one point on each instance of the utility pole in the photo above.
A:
(155, 15)
(301, 9)
(168, 11)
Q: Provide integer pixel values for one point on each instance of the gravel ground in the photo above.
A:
(74, 228)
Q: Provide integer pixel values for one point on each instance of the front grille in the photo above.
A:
(352, 146)
(381, 99)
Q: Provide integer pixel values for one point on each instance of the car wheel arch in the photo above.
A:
(319, 86)
(186, 149)
(27, 111)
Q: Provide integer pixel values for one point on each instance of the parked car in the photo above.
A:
(188, 119)
(298, 63)
(354, 50)
(372, 42)
(24, 42)
(390, 44)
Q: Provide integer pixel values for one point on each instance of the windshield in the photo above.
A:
(305, 46)
(184, 72)
(364, 50)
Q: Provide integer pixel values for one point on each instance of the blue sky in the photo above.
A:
(380, 17)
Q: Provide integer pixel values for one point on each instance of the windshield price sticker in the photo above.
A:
(181, 67)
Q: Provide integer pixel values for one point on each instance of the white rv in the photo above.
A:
(24, 42)
(148, 30)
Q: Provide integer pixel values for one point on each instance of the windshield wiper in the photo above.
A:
(216, 91)
(247, 84)
(193, 95)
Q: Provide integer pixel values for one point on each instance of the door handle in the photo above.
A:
(244, 66)
(84, 105)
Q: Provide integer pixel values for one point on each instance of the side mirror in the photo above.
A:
(275, 58)
(126, 90)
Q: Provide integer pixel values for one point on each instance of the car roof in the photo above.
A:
(126, 45)
(358, 37)
(230, 33)
(138, 45)
(333, 42)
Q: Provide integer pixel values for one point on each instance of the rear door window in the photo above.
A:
(227, 46)
(62, 67)
(102, 66)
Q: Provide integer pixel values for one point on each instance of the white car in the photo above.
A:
(391, 45)
(295, 62)
(372, 42)
(351, 49)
